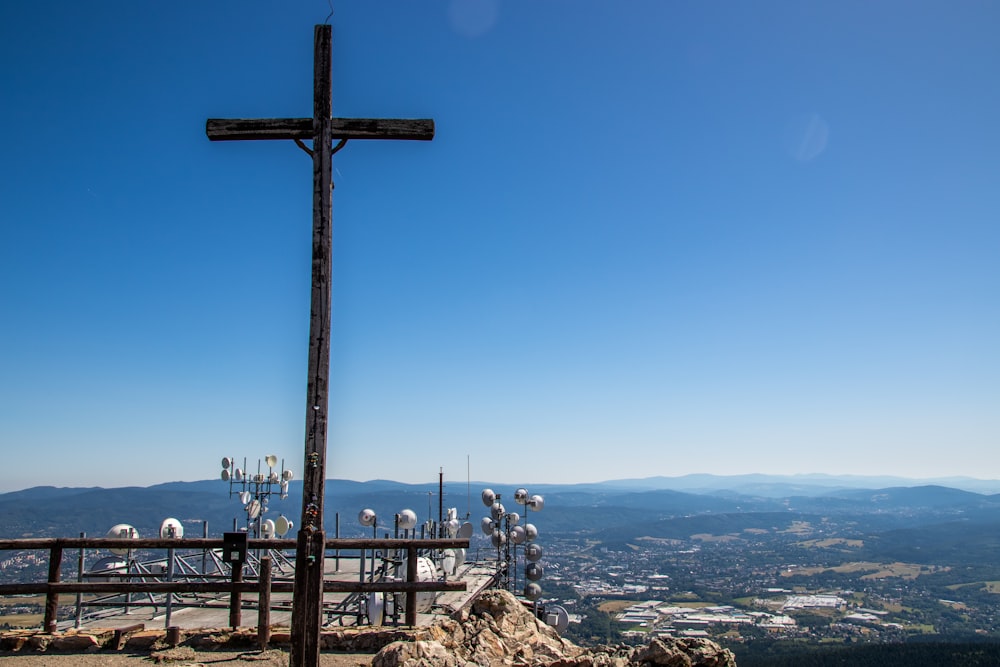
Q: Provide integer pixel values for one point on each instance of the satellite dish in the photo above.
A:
(533, 572)
(227, 463)
(514, 518)
(521, 496)
(375, 608)
(282, 526)
(225, 475)
(533, 552)
(171, 528)
(448, 561)
(367, 517)
(489, 497)
(253, 509)
(465, 531)
(497, 510)
(238, 475)
(517, 535)
(286, 475)
(407, 519)
(452, 526)
(273, 477)
(498, 539)
(245, 497)
(258, 478)
(426, 571)
(459, 558)
(536, 503)
(105, 567)
(267, 529)
(530, 532)
(271, 460)
(532, 591)
(557, 617)
(452, 513)
(284, 489)
(486, 525)
(122, 531)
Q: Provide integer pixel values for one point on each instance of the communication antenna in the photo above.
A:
(171, 529)
(254, 490)
(507, 532)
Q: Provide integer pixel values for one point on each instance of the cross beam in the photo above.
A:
(230, 129)
(322, 129)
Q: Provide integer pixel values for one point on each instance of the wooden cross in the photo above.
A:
(322, 129)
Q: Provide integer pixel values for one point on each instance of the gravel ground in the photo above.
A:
(177, 657)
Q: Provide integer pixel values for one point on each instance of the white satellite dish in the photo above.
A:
(171, 528)
(517, 535)
(486, 525)
(452, 526)
(227, 463)
(105, 567)
(533, 552)
(375, 608)
(425, 572)
(557, 617)
(366, 517)
(489, 497)
(448, 562)
(245, 497)
(286, 475)
(407, 519)
(497, 510)
(533, 572)
(466, 530)
(282, 526)
(273, 477)
(532, 591)
(498, 538)
(530, 532)
(267, 529)
(253, 509)
(238, 475)
(225, 475)
(122, 531)
(536, 503)
(271, 460)
(514, 518)
(521, 496)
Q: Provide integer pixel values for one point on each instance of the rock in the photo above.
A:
(683, 653)
(498, 631)
(81, 643)
(415, 654)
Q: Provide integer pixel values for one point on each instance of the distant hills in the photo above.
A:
(619, 508)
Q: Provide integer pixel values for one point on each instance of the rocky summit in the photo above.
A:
(497, 630)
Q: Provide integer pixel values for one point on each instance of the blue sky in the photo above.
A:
(649, 238)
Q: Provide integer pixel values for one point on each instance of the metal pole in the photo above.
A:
(79, 577)
(170, 595)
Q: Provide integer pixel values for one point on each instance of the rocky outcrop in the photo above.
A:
(498, 631)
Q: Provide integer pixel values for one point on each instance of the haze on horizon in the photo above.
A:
(653, 239)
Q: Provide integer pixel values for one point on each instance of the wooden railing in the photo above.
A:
(236, 586)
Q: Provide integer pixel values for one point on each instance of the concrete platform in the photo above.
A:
(213, 611)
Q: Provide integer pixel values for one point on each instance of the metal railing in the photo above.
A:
(235, 586)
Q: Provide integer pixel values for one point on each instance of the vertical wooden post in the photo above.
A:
(235, 597)
(307, 602)
(51, 596)
(264, 603)
(411, 597)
